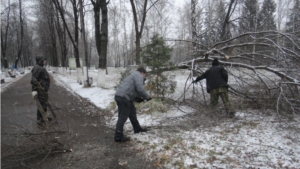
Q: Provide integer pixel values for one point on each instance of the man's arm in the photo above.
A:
(139, 85)
(203, 76)
(35, 80)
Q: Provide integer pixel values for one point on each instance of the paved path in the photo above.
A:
(79, 126)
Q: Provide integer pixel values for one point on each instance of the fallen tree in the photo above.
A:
(264, 67)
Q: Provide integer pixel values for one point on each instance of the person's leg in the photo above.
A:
(133, 119)
(214, 97)
(43, 99)
(123, 113)
(39, 115)
(225, 99)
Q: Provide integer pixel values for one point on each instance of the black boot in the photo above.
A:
(123, 139)
(49, 119)
(141, 130)
(231, 114)
(120, 137)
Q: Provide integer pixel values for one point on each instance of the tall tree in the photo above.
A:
(61, 32)
(266, 18)
(51, 34)
(27, 47)
(101, 30)
(138, 31)
(21, 35)
(293, 26)
(225, 32)
(210, 32)
(4, 34)
(157, 55)
(194, 26)
(266, 22)
(248, 21)
(74, 40)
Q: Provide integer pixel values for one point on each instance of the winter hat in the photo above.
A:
(215, 62)
(40, 60)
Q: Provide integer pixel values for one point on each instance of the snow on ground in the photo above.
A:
(253, 140)
(8, 80)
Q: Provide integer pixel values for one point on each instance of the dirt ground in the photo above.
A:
(78, 129)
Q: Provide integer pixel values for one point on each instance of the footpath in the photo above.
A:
(75, 139)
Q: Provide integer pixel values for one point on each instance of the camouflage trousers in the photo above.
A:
(43, 99)
(214, 97)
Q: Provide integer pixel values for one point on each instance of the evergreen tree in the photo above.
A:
(209, 34)
(156, 56)
(212, 24)
(293, 24)
(248, 22)
(266, 22)
(266, 19)
(220, 19)
(293, 27)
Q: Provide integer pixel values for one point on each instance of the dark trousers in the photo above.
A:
(43, 99)
(125, 109)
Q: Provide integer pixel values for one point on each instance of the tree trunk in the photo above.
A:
(96, 5)
(61, 32)
(104, 35)
(74, 42)
(101, 31)
(4, 41)
(52, 34)
(76, 29)
(138, 33)
(20, 45)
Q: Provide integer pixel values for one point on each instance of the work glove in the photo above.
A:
(194, 81)
(34, 94)
(138, 99)
(149, 99)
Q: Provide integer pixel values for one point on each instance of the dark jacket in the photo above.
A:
(132, 87)
(40, 77)
(215, 77)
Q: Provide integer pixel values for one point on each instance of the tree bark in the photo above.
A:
(225, 27)
(96, 5)
(138, 32)
(101, 30)
(4, 41)
(104, 35)
(61, 32)
(20, 45)
(51, 25)
(74, 41)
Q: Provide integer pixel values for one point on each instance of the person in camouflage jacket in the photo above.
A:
(216, 84)
(40, 82)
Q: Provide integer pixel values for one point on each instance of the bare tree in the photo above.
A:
(61, 32)
(101, 30)
(21, 35)
(4, 34)
(138, 31)
(75, 39)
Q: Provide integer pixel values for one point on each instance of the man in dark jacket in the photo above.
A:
(40, 84)
(129, 90)
(216, 84)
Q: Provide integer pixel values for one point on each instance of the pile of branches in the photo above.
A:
(31, 149)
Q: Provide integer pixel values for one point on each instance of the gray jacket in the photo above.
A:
(132, 86)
